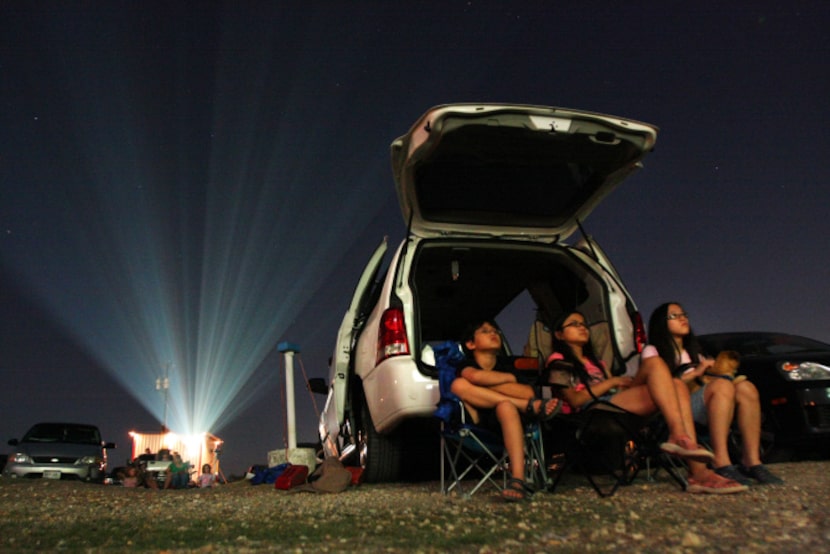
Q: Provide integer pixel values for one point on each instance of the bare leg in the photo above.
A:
(484, 397)
(654, 387)
(513, 435)
(719, 397)
(748, 408)
(489, 397)
(516, 390)
(684, 402)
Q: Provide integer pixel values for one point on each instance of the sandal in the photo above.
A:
(684, 447)
(515, 491)
(712, 483)
(542, 413)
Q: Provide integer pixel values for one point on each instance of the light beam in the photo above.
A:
(196, 224)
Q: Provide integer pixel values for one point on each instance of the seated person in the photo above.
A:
(716, 403)
(130, 479)
(207, 479)
(148, 456)
(494, 398)
(178, 473)
(581, 380)
(156, 470)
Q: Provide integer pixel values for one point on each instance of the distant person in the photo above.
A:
(207, 478)
(178, 473)
(130, 479)
(148, 456)
(158, 475)
(716, 403)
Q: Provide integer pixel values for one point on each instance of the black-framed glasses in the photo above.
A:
(576, 324)
(678, 315)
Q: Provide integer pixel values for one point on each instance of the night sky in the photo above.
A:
(186, 187)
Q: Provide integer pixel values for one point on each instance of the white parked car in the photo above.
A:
(491, 195)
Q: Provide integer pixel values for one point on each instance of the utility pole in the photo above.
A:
(163, 384)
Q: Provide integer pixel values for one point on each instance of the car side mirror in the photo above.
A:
(318, 385)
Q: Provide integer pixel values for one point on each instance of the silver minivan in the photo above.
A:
(59, 451)
(491, 196)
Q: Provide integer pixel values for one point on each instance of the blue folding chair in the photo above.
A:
(473, 455)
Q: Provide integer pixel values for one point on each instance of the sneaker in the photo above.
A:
(683, 447)
(761, 474)
(712, 483)
(732, 472)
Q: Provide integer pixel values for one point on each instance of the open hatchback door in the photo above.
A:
(512, 171)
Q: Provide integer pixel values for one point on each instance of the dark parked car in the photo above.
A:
(57, 451)
(792, 374)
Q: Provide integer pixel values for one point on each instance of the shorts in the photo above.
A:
(699, 412)
(604, 398)
(487, 419)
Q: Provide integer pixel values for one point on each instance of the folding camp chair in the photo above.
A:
(473, 454)
(610, 445)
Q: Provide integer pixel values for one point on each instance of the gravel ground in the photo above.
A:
(644, 517)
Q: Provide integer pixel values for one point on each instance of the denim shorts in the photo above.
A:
(699, 413)
(604, 398)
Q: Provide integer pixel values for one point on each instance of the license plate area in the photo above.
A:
(51, 474)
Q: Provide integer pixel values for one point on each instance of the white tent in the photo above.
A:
(197, 450)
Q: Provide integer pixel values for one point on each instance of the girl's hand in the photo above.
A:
(701, 368)
(623, 382)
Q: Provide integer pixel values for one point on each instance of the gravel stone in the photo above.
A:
(647, 516)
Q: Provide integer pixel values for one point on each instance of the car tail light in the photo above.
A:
(640, 338)
(392, 337)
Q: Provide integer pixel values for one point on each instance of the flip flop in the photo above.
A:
(542, 413)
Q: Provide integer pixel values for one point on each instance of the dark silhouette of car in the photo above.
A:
(792, 374)
(59, 451)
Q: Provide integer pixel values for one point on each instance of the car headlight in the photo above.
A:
(91, 460)
(804, 371)
(20, 458)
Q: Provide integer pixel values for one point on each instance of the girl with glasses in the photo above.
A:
(716, 403)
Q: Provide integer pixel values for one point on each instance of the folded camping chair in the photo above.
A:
(473, 454)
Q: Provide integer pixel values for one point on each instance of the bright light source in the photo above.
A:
(193, 241)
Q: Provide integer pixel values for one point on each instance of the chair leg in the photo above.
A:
(536, 468)
(467, 454)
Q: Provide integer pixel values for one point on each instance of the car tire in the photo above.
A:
(94, 476)
(379, 454)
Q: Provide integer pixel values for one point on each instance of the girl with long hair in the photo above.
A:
(716, 403)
